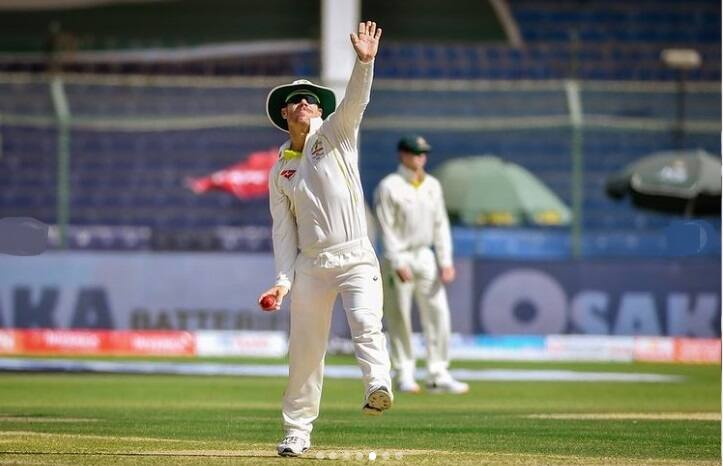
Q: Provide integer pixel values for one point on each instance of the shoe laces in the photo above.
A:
(293, 440)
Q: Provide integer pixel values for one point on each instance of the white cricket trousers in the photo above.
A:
(352, 270)
(431, 298)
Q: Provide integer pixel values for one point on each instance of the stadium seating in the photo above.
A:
(539, 60)
(599, 39)
(600, 21)
(590, 39)
(120, 178)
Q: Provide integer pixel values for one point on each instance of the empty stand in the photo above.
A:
(134, 144)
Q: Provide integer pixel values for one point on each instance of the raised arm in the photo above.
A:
(348, 115)
(366, 44)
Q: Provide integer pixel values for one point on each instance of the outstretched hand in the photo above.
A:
(366, 43)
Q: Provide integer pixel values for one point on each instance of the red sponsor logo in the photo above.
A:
(698, 350)
(288, 174)
(47, 341)
(148, 342)
(175, 343)
(62, 341)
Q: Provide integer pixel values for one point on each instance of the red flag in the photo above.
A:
(245, 180)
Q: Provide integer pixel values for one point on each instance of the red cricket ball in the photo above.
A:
(268, 302)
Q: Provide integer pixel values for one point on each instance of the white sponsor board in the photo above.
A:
(535, 348)
(590, 347)
(266, 344)
(654, 349)
(7, 341)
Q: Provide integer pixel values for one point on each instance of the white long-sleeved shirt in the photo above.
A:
(412, 217)
(316, 200)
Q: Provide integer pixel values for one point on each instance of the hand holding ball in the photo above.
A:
(268, 302)
(271, 299)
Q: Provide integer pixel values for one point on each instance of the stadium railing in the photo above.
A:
(133, 139)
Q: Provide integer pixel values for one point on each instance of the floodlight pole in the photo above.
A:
(62, 115)
(338, 19)
(679, 134)
(680, 60)
(574, 104)
(572, 89)
(59, 98)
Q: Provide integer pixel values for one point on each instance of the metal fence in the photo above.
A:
(114, 149)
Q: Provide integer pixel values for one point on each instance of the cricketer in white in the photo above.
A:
(320, 240)
(412, 217)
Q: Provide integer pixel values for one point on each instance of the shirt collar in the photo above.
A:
(409, 176)
(289, 154)
(314, 125)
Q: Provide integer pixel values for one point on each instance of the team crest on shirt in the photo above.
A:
(317, 150)
(288, 174)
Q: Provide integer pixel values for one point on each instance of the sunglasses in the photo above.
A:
(311, 99)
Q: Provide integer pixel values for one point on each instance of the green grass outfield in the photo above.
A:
(153, 419)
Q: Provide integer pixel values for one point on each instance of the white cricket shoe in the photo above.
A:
(447, 384)
(378, 401)
(408, 386)
(293, 445)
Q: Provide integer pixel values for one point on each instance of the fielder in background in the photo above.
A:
(409, 205)
(320, 240)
